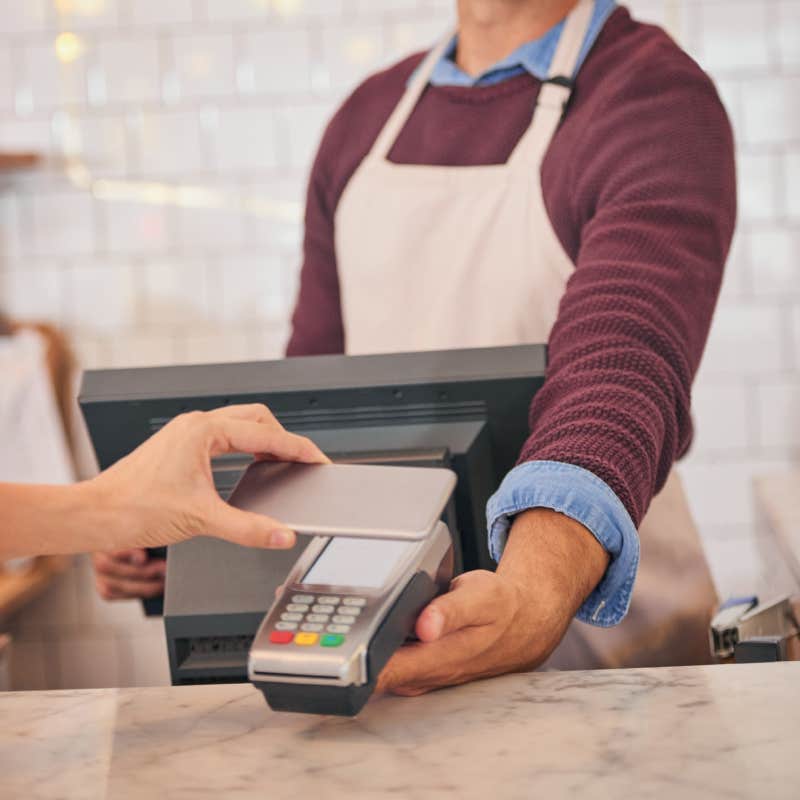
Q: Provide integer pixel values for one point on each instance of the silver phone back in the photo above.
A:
(358, 500)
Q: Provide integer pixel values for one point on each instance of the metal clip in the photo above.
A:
(555, 93)
(750, 632)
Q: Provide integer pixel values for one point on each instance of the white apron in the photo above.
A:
(434, 257)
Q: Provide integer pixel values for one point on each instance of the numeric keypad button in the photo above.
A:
(303, 598)
(311, 627)
(338, 629)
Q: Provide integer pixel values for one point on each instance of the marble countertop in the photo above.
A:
(695, 732)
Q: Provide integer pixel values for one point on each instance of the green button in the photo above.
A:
(332, 640)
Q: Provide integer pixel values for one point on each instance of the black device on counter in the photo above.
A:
(466, 410)
(354, 594)
(154, 606)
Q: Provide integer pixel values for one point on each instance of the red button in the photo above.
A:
(281, 637)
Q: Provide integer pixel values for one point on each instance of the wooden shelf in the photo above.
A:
(17, 589)
(12, 161)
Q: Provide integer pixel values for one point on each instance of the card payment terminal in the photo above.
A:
(354, 594)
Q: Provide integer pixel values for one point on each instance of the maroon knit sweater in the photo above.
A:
(639, 184)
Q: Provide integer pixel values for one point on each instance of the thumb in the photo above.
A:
(248, 529)
(469, 602)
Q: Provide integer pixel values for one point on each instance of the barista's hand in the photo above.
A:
(163, 492)
(509, 621)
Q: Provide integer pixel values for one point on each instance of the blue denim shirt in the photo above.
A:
(533, 57)
(565, 488)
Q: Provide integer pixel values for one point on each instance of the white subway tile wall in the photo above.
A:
(169, 143)
(126, 71)
(35, 292)
(791, 181)
(205, 65)
(157, 12)
(252, 11)
(6, 79)
(244, 139)
(32, 16)
(215, 224)
(9, 227)
(51, 81)
(165, 226)
(86, 14)
(62, 223)
(735, 35)
(277, 62)
(788, 31)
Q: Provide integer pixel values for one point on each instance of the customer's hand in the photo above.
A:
(125, 574)
(509, 621)
(163, 492)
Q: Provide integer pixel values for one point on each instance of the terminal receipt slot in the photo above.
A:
(347, 604)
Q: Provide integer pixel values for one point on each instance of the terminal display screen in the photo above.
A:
(357, 562)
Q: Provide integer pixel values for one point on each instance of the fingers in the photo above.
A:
(126, 589)
(134, 555)
(251, 428)
(254, 412)
(248, 436)
(248, 529)
(128, 574)
(455, 630)
(420, 667)
(469, 602)
(123, 565)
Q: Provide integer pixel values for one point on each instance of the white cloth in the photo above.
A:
(33, 446)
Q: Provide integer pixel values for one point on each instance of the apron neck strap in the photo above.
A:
(402, 111)
(556, 90)
(552, 101)
(570, 43)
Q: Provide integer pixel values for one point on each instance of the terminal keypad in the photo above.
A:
(318, 619)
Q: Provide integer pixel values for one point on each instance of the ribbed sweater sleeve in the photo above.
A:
(653, 197)
(317, 327)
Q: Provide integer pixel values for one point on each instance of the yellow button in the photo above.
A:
(306, 638)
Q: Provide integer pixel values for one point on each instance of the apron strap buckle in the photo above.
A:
(560, 80)
(555, 93)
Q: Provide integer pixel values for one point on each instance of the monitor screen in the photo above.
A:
(357, 562)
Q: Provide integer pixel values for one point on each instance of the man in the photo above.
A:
(556, 172)
(161, 493)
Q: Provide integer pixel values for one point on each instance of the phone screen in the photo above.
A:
(357, 562)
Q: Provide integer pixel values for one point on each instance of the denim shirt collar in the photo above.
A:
(533, 57)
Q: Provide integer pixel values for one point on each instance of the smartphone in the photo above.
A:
(358, 500)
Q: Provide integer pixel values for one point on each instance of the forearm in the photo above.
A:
(39, 519)
(554, 553)
(616, 401)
